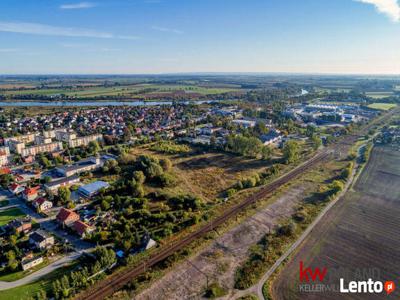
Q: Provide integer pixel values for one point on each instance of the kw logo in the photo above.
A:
(307, 273)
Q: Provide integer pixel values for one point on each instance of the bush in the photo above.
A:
(249, 183)
(170, 147)
(167, 180)
(230, 192)
(286, 229)
(166, 164)
(215, 291)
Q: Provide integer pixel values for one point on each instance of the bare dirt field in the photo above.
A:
(358, 239)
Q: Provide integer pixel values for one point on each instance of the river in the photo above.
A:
(94, 103)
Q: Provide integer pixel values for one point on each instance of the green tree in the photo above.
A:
(65, 194)
(316, 142)
(291, 152)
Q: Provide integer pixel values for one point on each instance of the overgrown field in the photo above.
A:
(206, 174)
(358, 238)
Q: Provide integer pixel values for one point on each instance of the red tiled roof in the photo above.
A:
(80, 227)
(40, 200)
(31, 191)
(13, 186)
(64, 214)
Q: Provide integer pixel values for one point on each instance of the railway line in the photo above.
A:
(115, 282)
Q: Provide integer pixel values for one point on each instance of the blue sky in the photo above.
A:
(167, 36)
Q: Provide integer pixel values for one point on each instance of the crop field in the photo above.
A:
(357, 239)
(382, 106)
(124, 91)
(379, 95)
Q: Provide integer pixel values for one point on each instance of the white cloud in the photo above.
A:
(391, 8)
(42, 29)
(170, 30)
(9, 50)
(79, 5)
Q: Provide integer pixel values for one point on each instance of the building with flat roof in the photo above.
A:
(42, 148)
(27, 138)
(85, 140)
(91, 189)
(54, 185)
(86, 165)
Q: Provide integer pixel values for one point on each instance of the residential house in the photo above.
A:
(30, 194)
(42, 204)
(20, 225)
(16, 189)
(67, 217)
(41, 239)
(82, 228)
(31, 262)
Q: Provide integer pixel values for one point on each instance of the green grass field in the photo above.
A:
(4, 203)
(379, 95)
(9, 277)
(9, 215)
(29, 291)
(382, 106)
(126, 90)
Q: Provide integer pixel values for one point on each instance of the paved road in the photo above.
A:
(36, 275)
(49, 224)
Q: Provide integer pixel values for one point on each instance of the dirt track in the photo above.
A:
(224, 255)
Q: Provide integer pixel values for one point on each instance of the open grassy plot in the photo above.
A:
(382, 106)
(207, 174)
(9, 215)
(360, 234)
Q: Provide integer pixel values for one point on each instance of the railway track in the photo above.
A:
(107, 287)
(115, 282)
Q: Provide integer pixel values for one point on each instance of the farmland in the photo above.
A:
(131, 91)
(365, 224)
(382, 106)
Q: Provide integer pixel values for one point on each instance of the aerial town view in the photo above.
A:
(171, 149)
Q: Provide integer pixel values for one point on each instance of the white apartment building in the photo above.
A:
(27, 138)
(85, 140)
(4, 153)
(39, 140)
(34, 150)
(65, 135)
(50, 134)
(16, 146)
